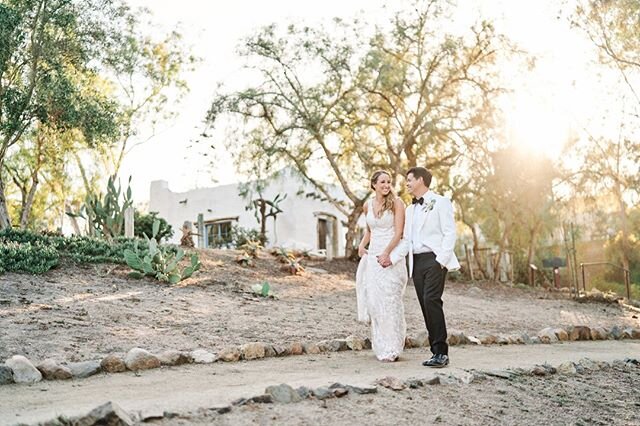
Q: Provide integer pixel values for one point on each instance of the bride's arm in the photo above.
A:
(365, 238)
(398, 226)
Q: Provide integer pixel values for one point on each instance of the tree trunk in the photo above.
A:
(28, 202)
(350, 250)
(625, 227)
(5, 220)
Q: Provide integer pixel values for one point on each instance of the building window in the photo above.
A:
(219, 234)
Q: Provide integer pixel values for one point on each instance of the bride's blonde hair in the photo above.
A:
(387, 203)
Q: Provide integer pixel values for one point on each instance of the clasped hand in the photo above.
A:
(384, 260)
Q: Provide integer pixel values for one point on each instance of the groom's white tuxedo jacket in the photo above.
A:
(437, 231)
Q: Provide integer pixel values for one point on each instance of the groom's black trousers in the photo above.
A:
(428, 279)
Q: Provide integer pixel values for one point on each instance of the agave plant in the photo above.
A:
(160, 262)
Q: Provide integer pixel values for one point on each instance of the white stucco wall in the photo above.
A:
(296, 225)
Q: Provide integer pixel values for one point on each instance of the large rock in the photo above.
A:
(616, 333)
(599, 333)
(141, 359)
(579, 332)
(334, 345)
(392, 383)
(22, 370)
(548, 335)
(175, 357)
(568, 368)
(6, 375)
(283, 394)
(109, 414)
(355, 343)
(200, 356)
(83, 369)
(311, 348)
(51, 370)
(488, 339)
(457, 338)
(296, 348)
(252, 351)
(231, 354)
(113, 364)
(561, 334)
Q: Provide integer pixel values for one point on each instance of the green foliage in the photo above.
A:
(252, 248)
(240, 236)
(158, 261)
(106, 215)
(244, 259)
(263, 290)
(35, 258)
(143, 225)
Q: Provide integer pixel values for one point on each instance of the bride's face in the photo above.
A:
(383, 184)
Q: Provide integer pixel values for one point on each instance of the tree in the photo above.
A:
(613, 162)
(348, 104)
(48, 47)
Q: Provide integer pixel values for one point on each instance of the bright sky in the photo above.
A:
(545, 106)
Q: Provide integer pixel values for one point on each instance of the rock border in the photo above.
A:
(18, 369)
(286, 394)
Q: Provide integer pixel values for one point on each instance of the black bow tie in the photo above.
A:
(417, 200)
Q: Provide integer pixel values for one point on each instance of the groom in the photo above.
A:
(431, 232)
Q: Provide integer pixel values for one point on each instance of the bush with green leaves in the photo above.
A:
(240, 236)
(263, 290)
(36, 258)
(159, 261)
(143, 225)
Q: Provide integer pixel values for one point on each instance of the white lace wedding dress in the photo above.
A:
(380, 291)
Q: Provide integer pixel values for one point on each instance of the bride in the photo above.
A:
(382, 273)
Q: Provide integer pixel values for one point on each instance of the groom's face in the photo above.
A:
(413, 184)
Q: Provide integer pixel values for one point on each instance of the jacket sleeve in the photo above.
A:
(448, 229)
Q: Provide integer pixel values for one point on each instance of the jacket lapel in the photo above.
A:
(428, 197)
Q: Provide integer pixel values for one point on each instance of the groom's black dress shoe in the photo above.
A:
(437, 361)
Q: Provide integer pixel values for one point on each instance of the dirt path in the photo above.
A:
(188, 388)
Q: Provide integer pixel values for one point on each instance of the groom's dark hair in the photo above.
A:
(421, 172)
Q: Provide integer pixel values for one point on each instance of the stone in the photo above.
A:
(526, 339)
(468, 377)
(539, 370)
(421, 340)
(175, 357)
(501, 374)
(296, 348)
(340, 392)
(6, 375)
(457, 338)
(334, 345)
(269, 351)
(51, 370)
(109, 414)
(474, 340)
(448, 379)
(355, 343)
(141, 359)
(635, 333)
(548, 335)
(283, 394)
(83, 369)
(362, 390)
(516, 339)
(535, 340)
(589, 364)
(200, 356)
(22, 370)
(615, 332)
(282, 350)
(392, 383)
(561, 334)
(414, 383)
(488, 339)
(323, 393)
(113, 364)
(599, 333)
(435, 380)
(579, 332)
(367, 343)
(304, 392)
(502, 339)
(261, 399)
(252, 351)
(311, 348)
(231, 354)
(568, 368)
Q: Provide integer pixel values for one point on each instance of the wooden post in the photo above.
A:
(469, 265)
(128, 222)
(201, 231)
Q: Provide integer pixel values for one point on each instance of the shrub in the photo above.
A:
(160, 262)
(241, 236)
(143, 225)
(35, 258)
